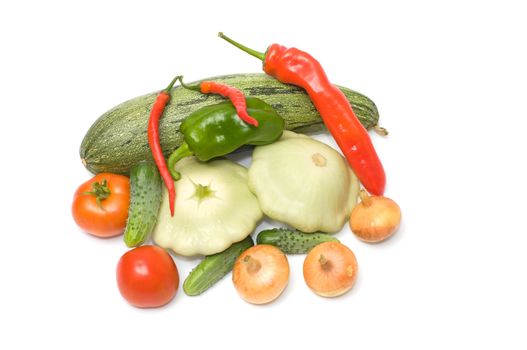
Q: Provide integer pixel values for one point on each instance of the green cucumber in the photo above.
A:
(214, 267)
(145, 200)
(292, 241)
(118, 139)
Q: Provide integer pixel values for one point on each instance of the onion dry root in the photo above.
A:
(330, 269)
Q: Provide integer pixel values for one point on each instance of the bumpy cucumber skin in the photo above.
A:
(145, 201)
(292, 241)
(118, 139)
(214, 267)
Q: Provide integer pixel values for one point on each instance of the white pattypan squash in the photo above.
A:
(304, 183)
(214, 208)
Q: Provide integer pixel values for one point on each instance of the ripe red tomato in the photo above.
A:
(147, 276)
(100, 205)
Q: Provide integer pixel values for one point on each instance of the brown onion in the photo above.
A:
(375, 219)
(260, 274)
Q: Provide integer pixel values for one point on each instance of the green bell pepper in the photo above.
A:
(216, 130)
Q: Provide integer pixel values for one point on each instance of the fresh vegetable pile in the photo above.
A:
(161, 177)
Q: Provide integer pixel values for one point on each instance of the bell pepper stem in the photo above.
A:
(196, 87)
(180, 153)
(257, 54)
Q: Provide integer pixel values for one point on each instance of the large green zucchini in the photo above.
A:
(118, 140)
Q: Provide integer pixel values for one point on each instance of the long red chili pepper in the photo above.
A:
(236, 96)
(296, 67)
(153, 140)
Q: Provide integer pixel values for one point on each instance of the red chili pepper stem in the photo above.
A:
(190, 87)
(171, 85)
(257, 54)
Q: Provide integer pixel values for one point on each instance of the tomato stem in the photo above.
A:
(100, 191)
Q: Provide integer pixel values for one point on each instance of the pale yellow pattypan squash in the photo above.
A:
(304, 183)
(214, 208)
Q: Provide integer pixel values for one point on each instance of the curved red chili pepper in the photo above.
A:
(153, 141)
(235, 95)
(293, 66)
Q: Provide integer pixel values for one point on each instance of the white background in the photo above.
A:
(450, 82)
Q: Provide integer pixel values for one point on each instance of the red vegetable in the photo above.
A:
(153, 140)
(236, 96)
(100, 205)
(296, 67)
(147, 276)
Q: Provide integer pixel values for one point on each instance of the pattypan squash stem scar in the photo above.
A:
(319, 160)
(202, 192)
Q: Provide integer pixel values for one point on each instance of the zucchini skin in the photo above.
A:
(214, 267)
(292, 241)
(145, 201)
(118, 139)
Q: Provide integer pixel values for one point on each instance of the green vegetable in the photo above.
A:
(214, 267)
(216, 130)
(145, 199)
(292, 241)
(214, 208)
(303, 183)
(118, 139)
